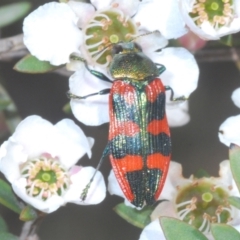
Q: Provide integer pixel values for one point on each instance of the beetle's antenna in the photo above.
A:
(114, 43)
(144, 34)
(77, 58)
(110, 44)
(102, 50)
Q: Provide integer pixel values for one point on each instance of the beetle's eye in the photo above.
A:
(138, 47)
(117, 49)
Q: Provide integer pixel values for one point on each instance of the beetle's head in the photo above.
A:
(129, 62)
(125, 48)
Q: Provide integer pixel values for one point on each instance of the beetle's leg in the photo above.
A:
(85, 190)
(102, 92)
(93, 72)
(160, 68)
(182, 98)
(97, 74)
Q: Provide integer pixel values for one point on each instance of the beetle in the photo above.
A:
(139, 143)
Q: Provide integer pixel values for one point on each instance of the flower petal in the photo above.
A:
(12, 155)
(93, 110)
(113, 186)
(237, 227)
(236, 97)
(225, 172)
(229, 131)
(51, 33)
(128, 7)
(181, 70)
(96, 192)
(174, 178)
(83, 10)
(177, 114)
(163, 16)
(165, 208)
(71, 143)
(47, 206)
(100, 4)
(152, 231)
(151, 42)
(226, 178)
(34, 134)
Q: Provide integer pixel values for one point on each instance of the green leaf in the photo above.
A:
(201, 173)
(8, 236)
(5, 99)
(13, 12)
(4, 104)
(28, 213)
(3, 225)
(227, 40)
(138, 218)
(30, 64)
(7, 197)
(9, 117)
(224, 231)
(234, 156)
(235, 201)
(175, 229)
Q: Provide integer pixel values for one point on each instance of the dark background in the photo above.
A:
(195, 145)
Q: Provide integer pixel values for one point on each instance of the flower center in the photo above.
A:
(202, 203)
(218, 12)
(103, 30)
(45, 177)
(207, 197)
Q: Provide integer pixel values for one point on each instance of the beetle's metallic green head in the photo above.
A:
(129, 62)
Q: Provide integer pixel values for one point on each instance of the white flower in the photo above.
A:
(236, 97)
(229, 131)
(56, 30)
(195, 201)
(51, 33)
(39, 161)
(152, 231)
(163, 16)
(181, 75)
(211, 19)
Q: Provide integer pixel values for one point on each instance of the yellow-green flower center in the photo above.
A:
(214, 6)
(45, 177)
(218, 12)
(207, 197)
(114, 38)
(103, 30)
(202, 203)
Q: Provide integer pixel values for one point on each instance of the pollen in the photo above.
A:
(218, 13)
(105, 29)
(45, 177)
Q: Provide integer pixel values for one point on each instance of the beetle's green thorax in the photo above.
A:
(131, 63)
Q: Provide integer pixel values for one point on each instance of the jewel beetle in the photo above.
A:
(139, 143)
